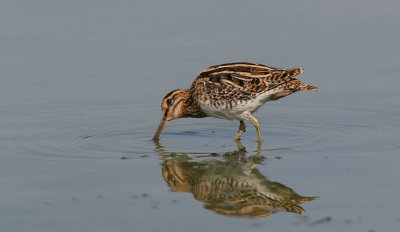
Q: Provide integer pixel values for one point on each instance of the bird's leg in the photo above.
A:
(242, 129)
(256, 125)
(258, 148)
(240, 147)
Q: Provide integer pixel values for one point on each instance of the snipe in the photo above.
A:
(231, 91)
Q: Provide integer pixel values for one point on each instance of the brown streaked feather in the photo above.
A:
(241, 81)
(252, 68)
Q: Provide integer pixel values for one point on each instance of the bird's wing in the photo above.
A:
(243, 80)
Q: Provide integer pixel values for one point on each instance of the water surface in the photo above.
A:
(80, 92)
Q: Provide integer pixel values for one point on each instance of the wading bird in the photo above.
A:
(231, 91)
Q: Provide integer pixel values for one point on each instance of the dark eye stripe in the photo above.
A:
(177, 102)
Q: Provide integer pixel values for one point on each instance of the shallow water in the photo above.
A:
(80, 100)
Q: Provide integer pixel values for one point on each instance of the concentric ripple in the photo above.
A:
(90, 133)
(333, 129)
(124, 131)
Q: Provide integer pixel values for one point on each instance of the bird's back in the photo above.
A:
(235, 87)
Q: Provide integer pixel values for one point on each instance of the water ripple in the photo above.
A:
(114, 132)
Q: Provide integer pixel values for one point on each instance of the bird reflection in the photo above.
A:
(229, 184)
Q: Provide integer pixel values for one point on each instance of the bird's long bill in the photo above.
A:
(160, 128)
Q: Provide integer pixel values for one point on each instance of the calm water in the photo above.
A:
(80, 89)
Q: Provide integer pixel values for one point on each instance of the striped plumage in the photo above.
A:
(231, 91)
(230, 189)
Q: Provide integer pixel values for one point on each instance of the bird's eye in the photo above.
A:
(169, 102)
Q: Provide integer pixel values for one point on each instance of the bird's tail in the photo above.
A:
(297, 71)
(309, 87)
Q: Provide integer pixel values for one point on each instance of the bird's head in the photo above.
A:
(173, 107)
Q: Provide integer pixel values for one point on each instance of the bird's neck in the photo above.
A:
(191, 108)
